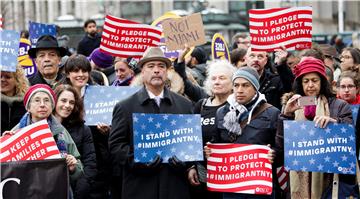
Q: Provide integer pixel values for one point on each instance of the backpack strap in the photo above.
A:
(256, 113)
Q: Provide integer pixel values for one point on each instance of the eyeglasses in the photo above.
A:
(38, 101)
(242, 42)
(345, 57)
(344, 87)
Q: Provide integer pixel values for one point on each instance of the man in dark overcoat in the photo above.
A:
(154, 180)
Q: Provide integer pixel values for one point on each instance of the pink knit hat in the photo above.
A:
(39, 88)
(309, 65)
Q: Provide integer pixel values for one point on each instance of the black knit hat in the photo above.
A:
(200, 55)
(46, 42)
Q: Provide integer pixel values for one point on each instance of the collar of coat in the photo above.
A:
(144, 97)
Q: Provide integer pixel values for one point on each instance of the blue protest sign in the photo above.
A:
(309, 148)
(9, 47)
(167, 135)
(99, 102)
(36, 30)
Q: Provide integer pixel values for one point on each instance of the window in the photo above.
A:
(139, 11)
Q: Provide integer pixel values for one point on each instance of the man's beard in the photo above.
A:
(92, 34)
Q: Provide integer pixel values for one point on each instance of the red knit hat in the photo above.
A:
(309, 65)
(39, 88)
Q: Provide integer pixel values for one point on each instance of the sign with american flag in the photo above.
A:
(9, 46)
(125, 38)
(239, 168)
(167, 135)
(33, 142)
(100, 109)
(273, 28)
(313, 149)
(37, 30)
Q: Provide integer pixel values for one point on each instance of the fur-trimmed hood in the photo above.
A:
(11, 99)
(174, 82)
(286, 98)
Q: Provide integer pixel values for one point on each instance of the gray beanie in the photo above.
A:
(249, 74)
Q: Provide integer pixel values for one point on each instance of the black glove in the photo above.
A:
(155, 163)
(180, 69)
(177, 164)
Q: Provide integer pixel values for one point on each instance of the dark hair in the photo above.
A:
(76, 63)
(77, 114)
(355, 54)
(237, 55)
(313, 52)
(89, 21)
(234, 39)
(24, 34)
(325, 88)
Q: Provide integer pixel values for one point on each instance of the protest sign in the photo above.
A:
(171, 54)
(34, 179)
(355, 112)
(33, 142)
(99, 102)
(125, 38)
(313, 149)
(37, 30)
(219, 49)
(273, 28)
(186, 30)
(239, 168)
(24, 59)
(167, 135)
(9, 46)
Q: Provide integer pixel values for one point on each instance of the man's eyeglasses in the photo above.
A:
(242, 42)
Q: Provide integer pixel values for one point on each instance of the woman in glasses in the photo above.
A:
(348, 87)
(350, 59)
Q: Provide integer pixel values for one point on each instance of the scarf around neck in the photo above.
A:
(238, 112)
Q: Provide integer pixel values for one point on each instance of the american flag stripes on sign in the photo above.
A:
(239, 168)
(33, 142)
(283, 177)
(125, 38)
(272, 28)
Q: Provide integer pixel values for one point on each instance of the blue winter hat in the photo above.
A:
(249, 74)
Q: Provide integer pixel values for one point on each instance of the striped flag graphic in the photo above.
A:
(283, 177)
(125, 38)
(239, 168)
(272, 28)
(33, 142)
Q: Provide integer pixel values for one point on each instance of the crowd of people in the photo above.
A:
(243, 100)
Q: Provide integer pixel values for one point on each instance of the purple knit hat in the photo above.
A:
(101, 59)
